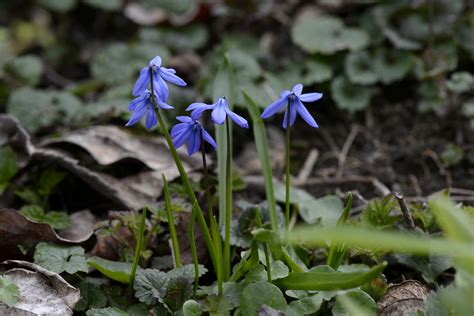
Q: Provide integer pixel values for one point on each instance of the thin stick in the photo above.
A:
(345, 150)
(308, 166)
(405, 212)
(228, 207)
(138, 249)
(172, 229)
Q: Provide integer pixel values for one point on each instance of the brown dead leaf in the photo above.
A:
(403, 298)
(42, 292)
(82, 226)
(18, 231)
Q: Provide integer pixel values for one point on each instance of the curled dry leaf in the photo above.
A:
(403, 298)
(106, 145)
(16, 230)
(82, 226)
(42, 292)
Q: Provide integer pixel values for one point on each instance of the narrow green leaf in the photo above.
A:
(336, 251)
(8, 166)
(172, 229)
(118, 271)
(328, 281)
(261, 141)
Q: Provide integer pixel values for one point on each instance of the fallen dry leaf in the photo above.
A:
(42, 292)
(82, 226)
(403, 298)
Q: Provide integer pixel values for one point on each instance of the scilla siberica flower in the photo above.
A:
(191, 132)
(143, 105)
(220, 110)
(157, 74)
(294, 101)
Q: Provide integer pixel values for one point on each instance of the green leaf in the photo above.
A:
(378, 212)
(429, 267)
(150, 286)
(328, 281)
(460, 81)
(317, 71)
(109, 311)
(261, 293)
(61, 6)
(58, 258)
(186, 38)
(337, 252)
(9, 292)
(392, 65)
(178, 290)
(119, 62)
(261, 142)
(354, 302)
(57, 220)
(279, 269)
(326, 35)
(8, 167)
(349, 96)
(305, 306)
(38, 109)
(91, 296)
(359, 68)
(404, 242)
(325, 210)
(256, 273)
(109, 5)
(49, 179)
(118, 271)
(191, 308)
(452, 155)
(432, 97)
(27, 69)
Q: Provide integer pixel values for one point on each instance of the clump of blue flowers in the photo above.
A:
(143, 105)
(191, 132)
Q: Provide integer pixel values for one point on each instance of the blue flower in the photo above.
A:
(294, 101)
(191, 132)
(142, 106)
(159, 75)
(220, 110)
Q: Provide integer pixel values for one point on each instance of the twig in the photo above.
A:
(405, 212)
(308, 166)
(345, 150)
(382, 188)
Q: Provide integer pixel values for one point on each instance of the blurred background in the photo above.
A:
(398, 106)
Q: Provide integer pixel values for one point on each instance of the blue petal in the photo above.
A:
(239, 120)
(184, 119)
(303, 111)
(182, 137)
(292, 109)
(196, 105)
(151, 119)
(297, 89)
(171, 77)
(208, 138)
(194, 142)
(219, 113)
(135, 102)
(160, 87)
(164, 106)
(155, 61)
(142, 82)
(178, 129)
(274, 107)
(284, 93)
(196, 114)
(139, 112)
(311, 97)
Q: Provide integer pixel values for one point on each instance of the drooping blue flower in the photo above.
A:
(142, 106)
(293, 100)
(158, 75)
(190, 131)
(220, 110)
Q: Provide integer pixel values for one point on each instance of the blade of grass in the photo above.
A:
(192, 242)
(172, 229)
(264, 245)
(138, 249)
(261, 141)
(336, 251)
(216, 236)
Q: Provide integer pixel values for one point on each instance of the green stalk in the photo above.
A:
(264, 245)
(138, 249)
(287, 171)
(228, 205)
(206, 178)
(174, 238)
(192, 242)
(189, 190)
(216, 236)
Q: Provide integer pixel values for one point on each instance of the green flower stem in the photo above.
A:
(189, 190)
(172, 229)
(138, 249)
(206, 178)
(192, 242)
(216, 236)
(264, 245)
(287, 172)
(228, 206)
